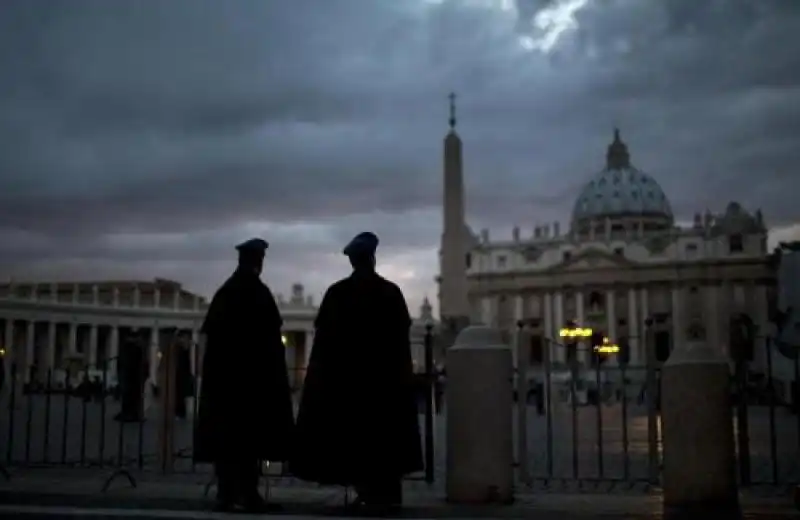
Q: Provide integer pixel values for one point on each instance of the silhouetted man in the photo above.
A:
(245, 414)
(358, 424)
(132, 374)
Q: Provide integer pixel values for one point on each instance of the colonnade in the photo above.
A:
(46, 345)
(711, 305)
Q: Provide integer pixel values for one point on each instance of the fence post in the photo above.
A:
(430, 381)
(521, 389)
(697, 422)
(479, 418)
(651, 394)
(167, 385)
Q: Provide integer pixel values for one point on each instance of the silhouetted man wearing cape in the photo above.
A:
(245, 413)
(357, 424)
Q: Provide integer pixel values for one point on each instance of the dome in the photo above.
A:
(620, 190)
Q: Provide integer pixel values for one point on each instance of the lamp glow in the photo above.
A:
(577, 332)
(607, 347)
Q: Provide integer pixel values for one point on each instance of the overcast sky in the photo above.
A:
(143, 139)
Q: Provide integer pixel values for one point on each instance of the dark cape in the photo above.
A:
(245, 409)
(358, 414)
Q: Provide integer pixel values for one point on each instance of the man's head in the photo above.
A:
(251, 254)
(361, 251)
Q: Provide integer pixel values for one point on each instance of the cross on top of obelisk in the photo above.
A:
(452, 98)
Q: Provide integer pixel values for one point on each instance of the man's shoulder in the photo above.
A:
(338, 287)
(389, 286)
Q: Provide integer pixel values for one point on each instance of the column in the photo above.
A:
(50, 358)
(154, 351)
(486, 310)
(113, 354)
(561, 354)
(75, 293)
(550, 338)
(54, 292)
(611, 314)
(176, 299)
(30, 350)
(678, 326)
(95, 295)
(581, 317)
(115, 296)
(137, 296)
(519, 308)
(157, 298)
(92, 351)
(634, 328)
(645, 314)
(72, 341)
(195, 350)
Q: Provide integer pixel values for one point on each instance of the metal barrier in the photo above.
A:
(600, 425)
(767, 414)
(590, 425)
(54, 423)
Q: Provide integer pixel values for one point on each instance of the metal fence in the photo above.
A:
(79, 424)
(581, 425)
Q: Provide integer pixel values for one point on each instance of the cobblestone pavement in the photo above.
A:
(66, 431)
(59, 490)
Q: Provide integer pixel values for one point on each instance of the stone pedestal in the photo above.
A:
(697, 429)
(479, 418)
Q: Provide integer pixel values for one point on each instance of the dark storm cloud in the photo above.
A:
(146, 138)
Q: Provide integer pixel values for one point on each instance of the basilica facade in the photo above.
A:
(623, 267)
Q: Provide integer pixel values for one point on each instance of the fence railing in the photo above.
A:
(81, 422)
(601, 423)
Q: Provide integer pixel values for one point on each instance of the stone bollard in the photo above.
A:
(697, 430)
(479, 398)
